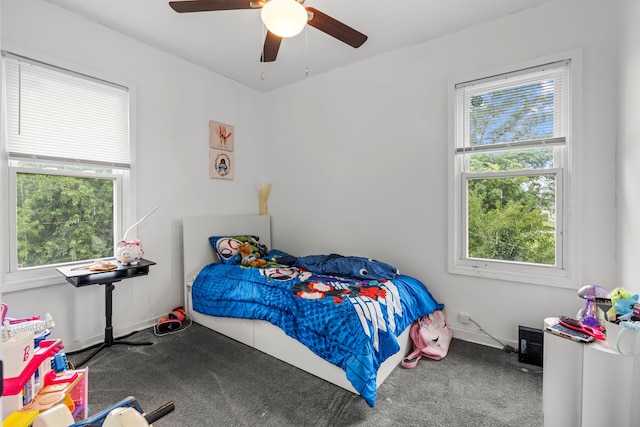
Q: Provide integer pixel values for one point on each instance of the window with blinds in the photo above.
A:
(56, 114)
(523, 109)
(69, 158)
(510, 158)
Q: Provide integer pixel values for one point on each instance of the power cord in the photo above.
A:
(506, 348)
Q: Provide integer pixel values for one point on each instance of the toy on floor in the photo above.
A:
(126, 413)
(250, 258)
(129, 417)
(172, 322)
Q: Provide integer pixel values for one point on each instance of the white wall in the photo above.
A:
(359, 160)
(174, 102)
(628, 159)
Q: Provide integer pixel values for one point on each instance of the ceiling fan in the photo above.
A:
(314, 17)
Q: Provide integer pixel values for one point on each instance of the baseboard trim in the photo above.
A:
(79, 344)
(478, 337)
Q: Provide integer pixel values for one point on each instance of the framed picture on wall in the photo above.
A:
(221, 164)
(221, 136)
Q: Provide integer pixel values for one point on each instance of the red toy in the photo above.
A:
(171, 322)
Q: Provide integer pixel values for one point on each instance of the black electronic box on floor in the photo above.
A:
(530, 345)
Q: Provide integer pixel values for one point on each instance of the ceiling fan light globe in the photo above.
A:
(284, 18)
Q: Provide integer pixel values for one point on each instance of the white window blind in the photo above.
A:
(56, 114)
(532, 105)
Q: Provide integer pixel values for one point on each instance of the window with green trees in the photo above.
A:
(511, 154)
(68, 165)
(62, 218)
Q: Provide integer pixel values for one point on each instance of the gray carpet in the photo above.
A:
(216, 381)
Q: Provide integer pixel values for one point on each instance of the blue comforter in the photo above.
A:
(351, 323)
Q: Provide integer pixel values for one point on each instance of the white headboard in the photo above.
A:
(197, 252)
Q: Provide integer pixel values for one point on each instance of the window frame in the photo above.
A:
(125, 181)
(567, 272)
(505, 265)
(116, 177)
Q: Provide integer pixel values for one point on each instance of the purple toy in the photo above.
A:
(590, 314)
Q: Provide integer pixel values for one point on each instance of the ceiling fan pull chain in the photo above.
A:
(306, 50)
(262, 35)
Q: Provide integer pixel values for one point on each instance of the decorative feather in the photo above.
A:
(263, 196)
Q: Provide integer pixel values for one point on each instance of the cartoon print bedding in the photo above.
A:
(350, 322)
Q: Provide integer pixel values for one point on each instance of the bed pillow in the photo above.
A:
(227, 247)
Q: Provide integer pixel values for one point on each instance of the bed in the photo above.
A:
(202, 267)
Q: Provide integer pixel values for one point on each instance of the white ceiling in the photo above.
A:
(230, 42)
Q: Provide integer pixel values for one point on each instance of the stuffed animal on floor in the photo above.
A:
(250, 258)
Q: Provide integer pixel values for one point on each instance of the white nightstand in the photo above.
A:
(587, 385)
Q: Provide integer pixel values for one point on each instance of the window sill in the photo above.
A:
(534, 278)
(23, 281)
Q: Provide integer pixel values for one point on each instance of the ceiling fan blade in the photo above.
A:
(335, 28)
(209, 5)
(271, 47)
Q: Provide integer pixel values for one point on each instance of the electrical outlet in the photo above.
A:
(464, 317)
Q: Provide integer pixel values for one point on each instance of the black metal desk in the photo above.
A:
(79, 277)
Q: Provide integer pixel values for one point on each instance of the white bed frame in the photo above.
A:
(259, 334)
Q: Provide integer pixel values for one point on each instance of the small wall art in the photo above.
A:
(221, 145)
(221, 136)
(221, 164)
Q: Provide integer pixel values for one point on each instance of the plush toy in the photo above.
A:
(624, 307)
(619, 293)
(618, 296)
(249, 258)
(343, 266)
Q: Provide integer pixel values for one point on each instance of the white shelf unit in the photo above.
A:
(588, 385)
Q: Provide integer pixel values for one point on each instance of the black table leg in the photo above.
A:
(108, 330)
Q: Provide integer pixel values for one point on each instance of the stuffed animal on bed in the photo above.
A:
(250, 258)
(343, 266)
